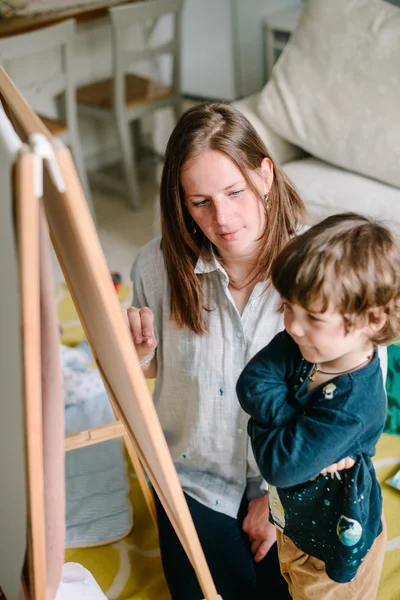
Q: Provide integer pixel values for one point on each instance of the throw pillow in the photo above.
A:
(335, 91)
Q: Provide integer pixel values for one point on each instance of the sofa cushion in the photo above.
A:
(327, 190)
(335, 90)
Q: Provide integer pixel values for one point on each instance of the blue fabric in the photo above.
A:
(393, 390)
(97, 504)
(296, 433)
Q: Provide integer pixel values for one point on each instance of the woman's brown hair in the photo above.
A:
(221, 127)
(348, 262)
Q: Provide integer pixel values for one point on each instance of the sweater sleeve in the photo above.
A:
(293, 443)
(292, 454)
(262, 387)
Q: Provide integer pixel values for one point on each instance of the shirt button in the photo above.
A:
(240, 431)
(239, 334)
(240, 460)
(240, 481)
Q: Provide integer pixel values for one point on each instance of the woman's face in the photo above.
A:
(222, 204)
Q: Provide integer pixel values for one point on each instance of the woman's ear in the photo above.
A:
(267, 172)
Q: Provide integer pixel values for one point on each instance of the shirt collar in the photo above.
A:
(210, 265)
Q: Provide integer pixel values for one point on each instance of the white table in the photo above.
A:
(278, 29)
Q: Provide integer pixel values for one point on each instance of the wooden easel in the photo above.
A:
(78, 249)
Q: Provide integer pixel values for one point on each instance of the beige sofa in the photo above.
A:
(330, 113)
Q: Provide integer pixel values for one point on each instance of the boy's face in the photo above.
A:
(322, 337)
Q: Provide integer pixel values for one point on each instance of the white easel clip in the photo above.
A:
(44, 152)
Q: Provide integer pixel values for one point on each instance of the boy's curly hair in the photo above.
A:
(348, 262)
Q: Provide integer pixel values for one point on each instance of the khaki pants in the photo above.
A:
(308, 580)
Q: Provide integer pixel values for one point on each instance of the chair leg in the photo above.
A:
(77, 155)
(178, 109)
(66, 108)
(136, 135)
(128, 162)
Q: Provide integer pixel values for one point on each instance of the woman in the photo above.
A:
(203, 308)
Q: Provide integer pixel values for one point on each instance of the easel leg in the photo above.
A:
(144, 486)
(137, 465)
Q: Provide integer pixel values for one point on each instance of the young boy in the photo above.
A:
(315, 395)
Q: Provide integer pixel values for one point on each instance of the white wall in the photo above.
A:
(223, 49)
(207, 42)
(250, 34)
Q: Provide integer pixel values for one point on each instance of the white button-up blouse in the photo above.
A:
(195, 396)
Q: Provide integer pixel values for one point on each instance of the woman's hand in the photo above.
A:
(345, 463)
(140, 322)
(261, 532)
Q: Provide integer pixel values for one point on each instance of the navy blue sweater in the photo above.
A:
(296, 433)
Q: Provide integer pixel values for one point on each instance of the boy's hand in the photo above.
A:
(261, 533)
(345, 463)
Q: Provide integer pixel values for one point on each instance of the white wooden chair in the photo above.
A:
(53, 93)
(128, 95)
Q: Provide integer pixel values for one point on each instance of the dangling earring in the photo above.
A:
(267, 201)
(194, 227)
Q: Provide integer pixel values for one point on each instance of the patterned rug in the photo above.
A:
(71, 330)
(131, 569)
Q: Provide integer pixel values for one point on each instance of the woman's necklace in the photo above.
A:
(316, 369)
(238, 283)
